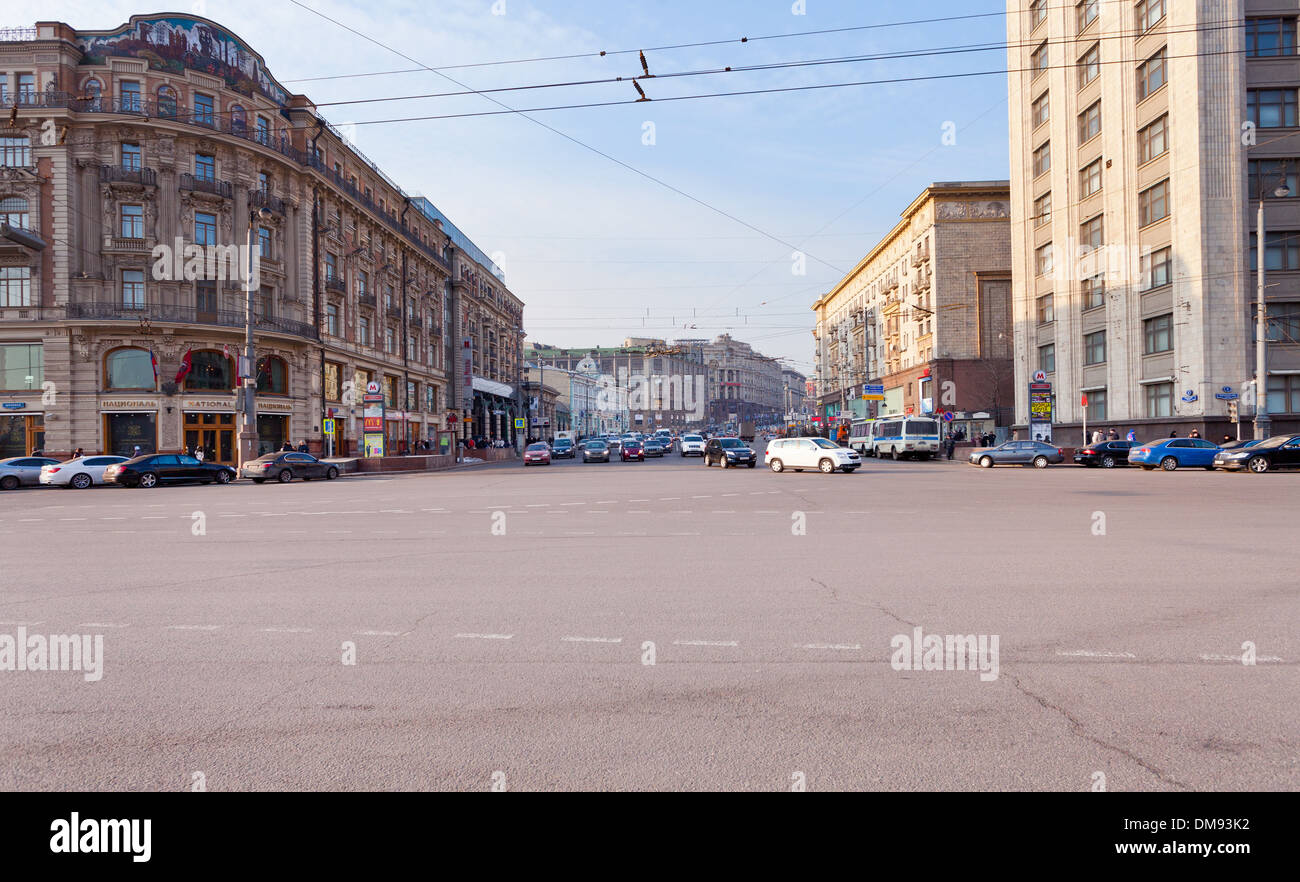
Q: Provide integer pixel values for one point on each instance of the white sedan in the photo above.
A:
(81, 473)
(810, 453)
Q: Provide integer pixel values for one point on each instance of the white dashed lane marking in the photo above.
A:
(484, 636)
(1092, 653)
(731, 643)
(848, 647)
(103, 625)
(192, 627)
(592, 639)
(287, 630)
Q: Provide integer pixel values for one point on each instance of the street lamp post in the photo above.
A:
(1263, 424)
(248, 428)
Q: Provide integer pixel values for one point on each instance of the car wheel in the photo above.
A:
(986, 462)
(1040, 462)
(331, 474)
(722, 461)
(148, 481)
(81, 481)
(1108, 462)
(259, 480)
(777, 466)
(752, 464)
(826, 467)
(223, 477)
(285, 476)
(1169, 464)
(8, 482)
(1258, 464)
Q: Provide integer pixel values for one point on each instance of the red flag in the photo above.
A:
(153, 359)
(1085, 399)
(187, 365)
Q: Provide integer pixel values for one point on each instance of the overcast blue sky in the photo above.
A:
(591, 246)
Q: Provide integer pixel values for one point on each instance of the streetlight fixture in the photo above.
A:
(1263, 423)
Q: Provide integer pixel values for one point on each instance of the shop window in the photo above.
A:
(210, 371)
(129, 370)
(22, 366)
(272, 376)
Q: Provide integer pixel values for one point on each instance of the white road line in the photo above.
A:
(701, 497)
(767, 511)
(153, 518)
(724, 511)
(538, 504)
(705, 643)
(682, 512)
(22, 624)
(568, 504)
(73, 519)
(1091, 653)
(395, 511)
(30, 520)
(1237, 658)
(112, 519)
(118, 532)
(484, 636)
(669, 498)
(851, 647)
(730, 494)
(380, 633)
(579, 532)
(337, 532)
(192, 627)
(231, 516)
(436, 510)
(287, 630)
(638, 500)
(103, 625)
(605, 502)
(697, 533)
(637, 511)
(592, 639)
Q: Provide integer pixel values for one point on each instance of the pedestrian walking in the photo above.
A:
(136, 451)
(1131, 436)
(286, 447)
(1173, 434)
(198, 454)
(302, 446)
(1097, 437)
(950, 445)
(1112, 434)
(78, 453)
(1196, 433)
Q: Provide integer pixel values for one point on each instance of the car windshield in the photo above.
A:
(596, 445)
(692, 438)
(824, 443)
(732, 442)
(563, 442)
(538, 446)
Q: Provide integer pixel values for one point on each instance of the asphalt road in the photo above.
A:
(502, 621)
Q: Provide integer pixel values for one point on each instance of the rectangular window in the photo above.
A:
(1284, 323)
(1153, 140)
(1272, 174)
(1271, 108)
(332, 319)
(204, 109)
(332, 373)
(390, 391)
(1160, 399)
(1151, 74)
(15, 286)
(1157, 268)
(132, 221)
(205, 167)
(1043, 159)
(1046, 310)
(131, 157)
(1043, 263)
(1037, 13)
(390, 341)
(263, 130)
(15, 151)
(22, 366)
(1090, 234)
(1148, 13)
(363, 283)
(263, 182)
(26, 88)
(133, 289)
(1043, 209)
(1086, 13)
(13, 211)
(1153, 204)
(1090, 65)
(1158, 334)
(1090, 178)
(130, 96)
(1281, 251)
(264, 243)
(1090, 122)
(430, 397)
(1041, 110)
(363, 331)
(1094, 348)
(1094, 292)
(205, 229)
(1097, 405)
(1047, 358)
(331, 266)
(1270, 37)
(1284, 394)
(1038, 61)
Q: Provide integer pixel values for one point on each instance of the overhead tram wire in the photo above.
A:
(525, 114)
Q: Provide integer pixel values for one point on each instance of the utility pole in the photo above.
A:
(1263, 424)
(248, 376)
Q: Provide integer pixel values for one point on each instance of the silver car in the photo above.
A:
(1023, 453)
(23, 471)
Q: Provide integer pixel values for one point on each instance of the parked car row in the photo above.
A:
(1167, 454)
(153, 469)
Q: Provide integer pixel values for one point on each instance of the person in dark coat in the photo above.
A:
(302, 446)
(286, 447)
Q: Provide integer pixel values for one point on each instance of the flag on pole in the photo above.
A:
(153, 360)
(187, 365)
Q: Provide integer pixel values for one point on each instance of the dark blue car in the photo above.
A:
(1174, 453)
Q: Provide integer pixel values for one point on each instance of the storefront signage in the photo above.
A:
(372, 424)
(1040, 411)
(15, 405)
(275, 406)
(127, 404)
(220, 405)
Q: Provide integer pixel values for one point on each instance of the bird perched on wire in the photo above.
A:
(640, 92)
(644, 66)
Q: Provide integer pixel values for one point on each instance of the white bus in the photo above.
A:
(896, 436)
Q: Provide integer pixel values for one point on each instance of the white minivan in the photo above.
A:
(810, 453)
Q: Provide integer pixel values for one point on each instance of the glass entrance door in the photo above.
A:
(214, 434)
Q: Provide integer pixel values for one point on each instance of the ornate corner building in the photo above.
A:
(140, 168)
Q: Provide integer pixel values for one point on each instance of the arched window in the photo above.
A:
(272, 376)
(238, 119)
(210, 371)
(166, 101)
(13, 211)
(129, 370)
(93, 89)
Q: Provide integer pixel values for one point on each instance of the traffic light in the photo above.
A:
(1232, 411)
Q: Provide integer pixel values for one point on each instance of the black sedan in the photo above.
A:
(167, 468)
(654, 448)
(1279, 452)
(1107, 454)
(729, 453)
(563, 449)
(595, 451)
(284, 467)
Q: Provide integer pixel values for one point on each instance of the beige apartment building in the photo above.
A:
(744, 384)
(1141, 135)
(925, 315)
(171, 130)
